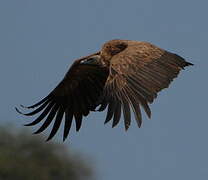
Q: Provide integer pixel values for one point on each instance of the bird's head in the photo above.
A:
(112, 48)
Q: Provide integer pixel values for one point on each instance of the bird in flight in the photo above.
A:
(124, 75)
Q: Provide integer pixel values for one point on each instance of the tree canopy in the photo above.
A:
(25, 157)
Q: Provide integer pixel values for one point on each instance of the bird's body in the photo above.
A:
(123, 75)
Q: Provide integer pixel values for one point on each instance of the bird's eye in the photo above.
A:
(121, 46)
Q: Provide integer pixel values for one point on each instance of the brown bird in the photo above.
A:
(123, 75)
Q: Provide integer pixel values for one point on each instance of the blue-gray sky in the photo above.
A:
(39, 40)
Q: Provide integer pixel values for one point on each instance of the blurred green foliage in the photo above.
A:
(25, 157)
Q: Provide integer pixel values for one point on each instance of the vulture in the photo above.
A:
(122, 77)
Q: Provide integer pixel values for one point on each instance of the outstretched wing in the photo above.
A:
(136, 75)
(75, 96)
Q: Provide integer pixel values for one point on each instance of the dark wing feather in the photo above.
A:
(126, 113)
(137, 74)
(75, 96)
(48, 120)
(36, 110)
(68, 122)
(111, 109)
(57, 122)
(43, 114)
(117, 114)
(39, 103)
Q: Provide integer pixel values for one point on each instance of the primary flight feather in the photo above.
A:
(123, 75)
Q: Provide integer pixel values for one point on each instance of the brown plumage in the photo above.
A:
(123, 75)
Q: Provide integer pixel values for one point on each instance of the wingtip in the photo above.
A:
(29, 124)
(23, 106)
(64, 138)
(149, 115)
(19, 110)
(126, 129)
(48, 139)
(106, 121)
(139, 125)
(77, 129)
(189, 64)
(113, 125)
(26, 107)
(37, 132)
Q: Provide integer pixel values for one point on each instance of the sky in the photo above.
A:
(39, 41)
